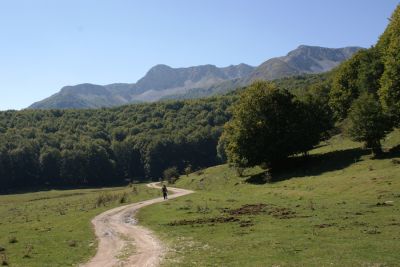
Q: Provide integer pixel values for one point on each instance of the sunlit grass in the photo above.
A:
(343, 209)
(52, 228)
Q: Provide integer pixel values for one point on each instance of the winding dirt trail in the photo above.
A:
(124, 243)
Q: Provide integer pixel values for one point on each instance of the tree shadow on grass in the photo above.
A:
(394, 152)
(309, 166)
(259, 178)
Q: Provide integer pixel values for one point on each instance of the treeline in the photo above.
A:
(109, 146)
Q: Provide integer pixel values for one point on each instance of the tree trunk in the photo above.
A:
(376, 148)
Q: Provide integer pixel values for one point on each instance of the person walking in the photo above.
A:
(164, 191)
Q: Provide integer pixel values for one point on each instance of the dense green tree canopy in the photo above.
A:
(361, 73)
(269, 124)
(105, 146)
(368, 123)
(375, 70)
(389, 44)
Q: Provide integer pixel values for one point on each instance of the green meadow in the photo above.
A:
(339, 207)
(53, 228)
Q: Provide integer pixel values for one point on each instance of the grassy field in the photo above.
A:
(52, 228)
(338, 208)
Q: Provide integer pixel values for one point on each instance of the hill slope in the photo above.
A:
(162, 81)
(339, 208)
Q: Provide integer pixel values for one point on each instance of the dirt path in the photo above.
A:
(124, 243)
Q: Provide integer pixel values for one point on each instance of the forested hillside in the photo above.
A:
(107, 146)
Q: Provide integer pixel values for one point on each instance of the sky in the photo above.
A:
(45, 45)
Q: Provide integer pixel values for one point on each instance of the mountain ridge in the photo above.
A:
(165, 82)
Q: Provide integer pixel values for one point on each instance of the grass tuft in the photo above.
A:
(28, 252)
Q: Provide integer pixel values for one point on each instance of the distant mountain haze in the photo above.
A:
(165, 82)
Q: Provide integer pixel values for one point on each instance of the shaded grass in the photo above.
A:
(52, 228)
(337, 216)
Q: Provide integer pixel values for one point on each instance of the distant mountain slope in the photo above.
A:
(164, 82)
(80, 96)
(304, 59)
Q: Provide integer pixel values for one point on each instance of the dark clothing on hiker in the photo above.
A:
(165, 192)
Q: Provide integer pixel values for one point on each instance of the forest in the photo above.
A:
(108, 146)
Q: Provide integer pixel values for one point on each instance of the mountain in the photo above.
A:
(165, 82)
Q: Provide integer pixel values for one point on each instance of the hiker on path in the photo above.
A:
(164, 192)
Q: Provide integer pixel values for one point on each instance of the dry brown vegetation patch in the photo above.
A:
(249, 209)
(231, 215)
(212, 220)
(255, 209)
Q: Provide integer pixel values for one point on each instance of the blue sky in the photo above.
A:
(45, 45)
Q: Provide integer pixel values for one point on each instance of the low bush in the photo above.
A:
(171, 174)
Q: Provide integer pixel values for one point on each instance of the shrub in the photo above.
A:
(104, 199)
(135, 190)
(239, 171)
(28, 251)
(123, 198)
(188, 170)
(171, 174)
(12, 240)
